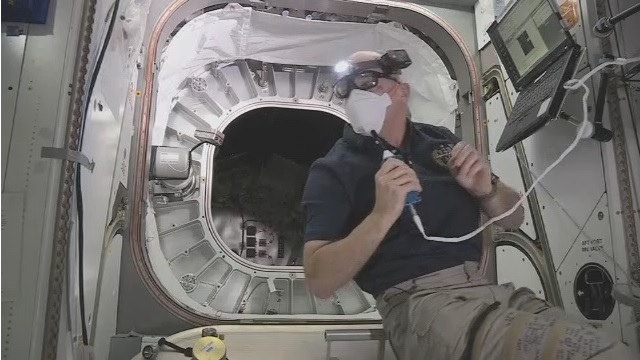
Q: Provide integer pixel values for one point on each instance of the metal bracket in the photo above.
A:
(356, 335)
(468, 97)
(214, 136)
(67, 154)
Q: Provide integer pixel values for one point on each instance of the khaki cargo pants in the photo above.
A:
(435, 317)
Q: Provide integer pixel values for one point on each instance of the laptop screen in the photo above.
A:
(530, 31)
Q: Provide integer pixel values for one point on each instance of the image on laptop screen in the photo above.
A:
(530, 31)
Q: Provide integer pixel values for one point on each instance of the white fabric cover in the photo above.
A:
(236, 32)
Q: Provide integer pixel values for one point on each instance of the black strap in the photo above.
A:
(188, 352)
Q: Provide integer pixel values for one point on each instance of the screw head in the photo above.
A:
(149, 352)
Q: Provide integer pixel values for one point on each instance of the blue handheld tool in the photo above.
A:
(412, 198)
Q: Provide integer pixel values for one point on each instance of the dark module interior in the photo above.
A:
(259, 175)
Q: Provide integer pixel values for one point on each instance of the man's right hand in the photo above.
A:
(394, 181)
(399, 95)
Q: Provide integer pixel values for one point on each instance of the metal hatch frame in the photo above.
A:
(178, 11)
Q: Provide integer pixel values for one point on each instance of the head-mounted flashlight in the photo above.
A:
(361, 75)
(394, 60)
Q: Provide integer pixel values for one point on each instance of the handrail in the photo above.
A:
(356, 335)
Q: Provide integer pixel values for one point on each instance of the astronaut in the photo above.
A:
(434, 301)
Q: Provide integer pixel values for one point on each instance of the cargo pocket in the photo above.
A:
(440, 323)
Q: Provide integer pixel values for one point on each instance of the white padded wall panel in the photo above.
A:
(515, 266)
(573, 187)
(505, 164)
(484, 12)
(591, 246)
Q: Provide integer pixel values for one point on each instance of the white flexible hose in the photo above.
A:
(572, 84)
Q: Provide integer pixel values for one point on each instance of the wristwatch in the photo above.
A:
(494, 188)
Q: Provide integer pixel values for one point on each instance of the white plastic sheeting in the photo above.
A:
(236, 32)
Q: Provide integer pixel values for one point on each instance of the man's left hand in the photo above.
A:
(470, 170)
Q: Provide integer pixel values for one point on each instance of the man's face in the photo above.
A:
(391, 86)
(362, 60)
(389, 83)
(373, 79)
(398, 92)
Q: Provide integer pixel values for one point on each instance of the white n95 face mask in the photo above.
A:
(366, 111)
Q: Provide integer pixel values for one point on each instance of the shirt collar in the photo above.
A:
(372, 146)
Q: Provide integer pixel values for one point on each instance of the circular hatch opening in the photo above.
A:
(259, 176)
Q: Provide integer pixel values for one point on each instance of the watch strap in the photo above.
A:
(494, 188)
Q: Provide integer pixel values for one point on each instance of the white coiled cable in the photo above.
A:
(572, 84)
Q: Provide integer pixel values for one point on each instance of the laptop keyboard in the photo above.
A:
(540, 90)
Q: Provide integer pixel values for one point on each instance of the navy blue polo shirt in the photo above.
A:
(340, 194)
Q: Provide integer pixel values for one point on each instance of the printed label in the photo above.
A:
(169, 158)
(592, 245)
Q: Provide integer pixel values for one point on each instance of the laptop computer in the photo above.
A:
(539, 55)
